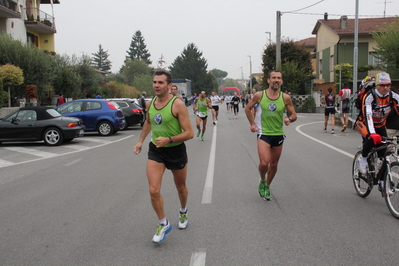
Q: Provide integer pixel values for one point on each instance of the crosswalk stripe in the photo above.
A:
(34, 152)
(4, 163)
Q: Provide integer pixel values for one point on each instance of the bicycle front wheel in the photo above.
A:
(359, 181)
(392, 190)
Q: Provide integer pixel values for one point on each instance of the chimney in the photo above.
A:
(325, 16)
(343, 25)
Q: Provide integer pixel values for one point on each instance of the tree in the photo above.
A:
(388, 44)
(293, 76)
(101, 61)
(11, 76)
(343, 73)
(219, 75)
(191, 65)
(67, 80)
(38, 66)
(293, 53)
(144, 83)
(138, 49)
(134, 68)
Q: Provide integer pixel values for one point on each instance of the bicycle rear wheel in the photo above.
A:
(359, 181)
(392, 190)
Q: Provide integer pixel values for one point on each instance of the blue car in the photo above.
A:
(97, 115)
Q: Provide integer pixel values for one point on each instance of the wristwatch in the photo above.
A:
(289, 118)
(170, 140)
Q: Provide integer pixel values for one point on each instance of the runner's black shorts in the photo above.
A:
(174, 158)
(345, 106)
(215, 107)
(328, 111)
(273, 141)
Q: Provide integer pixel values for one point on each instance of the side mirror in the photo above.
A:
(14, 120)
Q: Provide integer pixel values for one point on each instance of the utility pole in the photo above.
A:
(250, 73)
(278, 41)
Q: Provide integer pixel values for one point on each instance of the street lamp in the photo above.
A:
(270, 36)
(250, 73)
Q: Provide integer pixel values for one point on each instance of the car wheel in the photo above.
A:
(105, 128)
(53, 136)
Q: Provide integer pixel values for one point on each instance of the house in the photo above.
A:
(24, 21)
(335, 45)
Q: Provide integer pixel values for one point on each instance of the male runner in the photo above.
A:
(201, 106)
(169, 122)
(215, 100)
(268, 124)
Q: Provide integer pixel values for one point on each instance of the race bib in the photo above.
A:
(235, 102)
(201, 114)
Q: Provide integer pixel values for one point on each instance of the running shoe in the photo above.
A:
(198, 133)
(162, 230)
(325, 130)
(214, 123)
(343, 128)
(362, 165)
(261, 188)
(183, 220)
(332, 131)
(202, 138)
(268, 194)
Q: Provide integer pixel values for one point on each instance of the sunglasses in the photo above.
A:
(384, 85)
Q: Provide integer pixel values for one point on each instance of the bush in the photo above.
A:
(309, 105)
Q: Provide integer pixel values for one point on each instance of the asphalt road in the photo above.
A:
(87, 203)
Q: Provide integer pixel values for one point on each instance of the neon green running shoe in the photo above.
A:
(268, 194)
(261, 188)
(183, 221)
(198, 133)
(202, 138)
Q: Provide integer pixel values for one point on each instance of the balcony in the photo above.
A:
(9, 9)
(39, 21)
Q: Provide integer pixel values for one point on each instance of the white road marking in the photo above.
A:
(57, 155)
(207, 194)
(198, 258)
(321, 142)
(77, 147)
(73, 162)
(4, 163)
(34, 152)
(98, 140)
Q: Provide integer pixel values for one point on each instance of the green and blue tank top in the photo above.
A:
(202, 107)
(269, 115)
(163, 122)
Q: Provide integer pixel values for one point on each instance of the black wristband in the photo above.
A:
(170, 140)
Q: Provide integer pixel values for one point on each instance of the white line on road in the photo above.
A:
(198, 258)
(4, 163)
(98, 140)
(207, 195)
(321, 142)
(56, 155)
(73, 162)
(34, 152)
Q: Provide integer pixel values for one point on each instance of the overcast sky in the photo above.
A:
(225, 31)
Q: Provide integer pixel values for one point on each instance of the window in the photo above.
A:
(70, 108)
(331, 63)
(320, 66)
(93, 105)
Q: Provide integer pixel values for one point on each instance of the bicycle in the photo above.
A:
(389, 165)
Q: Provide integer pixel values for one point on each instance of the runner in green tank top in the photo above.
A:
(170, 123)
(268, 124)
(201, 105)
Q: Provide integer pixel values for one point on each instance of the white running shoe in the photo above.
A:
(362, 165)
(162, 230)
(183, 221)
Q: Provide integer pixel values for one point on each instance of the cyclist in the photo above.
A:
(376, 106)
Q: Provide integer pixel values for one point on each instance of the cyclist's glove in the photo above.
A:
(376, 138)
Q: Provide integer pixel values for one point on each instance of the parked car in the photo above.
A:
(99, 115)
(38, 123)
(132, 111)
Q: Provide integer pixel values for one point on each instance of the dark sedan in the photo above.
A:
(133, 113)
(40, 123)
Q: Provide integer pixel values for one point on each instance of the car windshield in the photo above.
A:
(53, 113)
